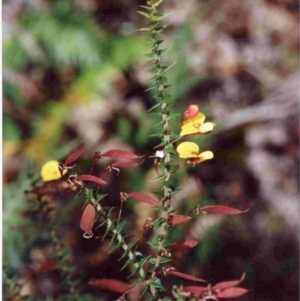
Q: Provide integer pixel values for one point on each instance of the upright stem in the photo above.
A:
(161, 97)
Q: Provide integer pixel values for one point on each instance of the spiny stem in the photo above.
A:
(119, 237)
(161, 85)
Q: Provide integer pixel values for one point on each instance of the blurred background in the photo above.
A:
(75, 72)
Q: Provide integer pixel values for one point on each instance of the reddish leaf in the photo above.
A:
(50, 188)
(182, 275)
(232, 292)
(73, 157)
(222, 210)
(124, 164)
(111, 284)
(90, 178)
(88, 218)
(46, 266)
(184, 244)
(143, 197)
(196, 291)
(178, 219)
(226, 284)
(119, 153)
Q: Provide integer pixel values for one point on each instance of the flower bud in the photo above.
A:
(192, 111)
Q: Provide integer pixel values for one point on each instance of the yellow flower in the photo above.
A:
(50, 171)
(196, 125)
(190, 150)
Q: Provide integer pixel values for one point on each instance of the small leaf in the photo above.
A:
(119, 153)
(73, 157)
(120, 226)
(196, 291)
(222, 210)
(131, 244)
(125, 164)
(100, 197)
(116, 246)
(88, 218)
(144, 14)
(171, 271)
(184, 244)
(127, 263)
(143, 197)
(111, 284)
(90, 178)
(159, 222)
(232, 292)
(157, 284)
(178, 219)
(162, 260)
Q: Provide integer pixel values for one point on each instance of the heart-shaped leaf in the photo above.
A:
(182, 275)
(219, 209)
(143, 197)
(196, 291)
(184, 244)
(226, 284)
(88, 218)
(111, 284)
(73, 157)
(178, 219)
(232, 292)
(119, 153)
(125, 164)
(90, 178)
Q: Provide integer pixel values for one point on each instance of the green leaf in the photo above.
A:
(127, 263)
(145, 289)
(157, 223)
(163, 143)
(146, 7)
(116, 246)
(131, 244)
(162, 260)
(106, 232)
(144, 14)
(156, 2)
(100, 197)
(157, 284)
(160, 208)
(170, 149)
(144, 260)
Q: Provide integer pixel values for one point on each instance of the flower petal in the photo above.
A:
(207, 155)
(207, 127)
(192, 126)
(199, 118)
(188, 150)
(50, 171)
(189, 129)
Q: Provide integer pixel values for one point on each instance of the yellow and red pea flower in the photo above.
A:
(190, 150)
(194, 124)
(50, 171)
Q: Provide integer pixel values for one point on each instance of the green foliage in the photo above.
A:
(66, 38)
(14, 54)
(14, 219)
(11, 130)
